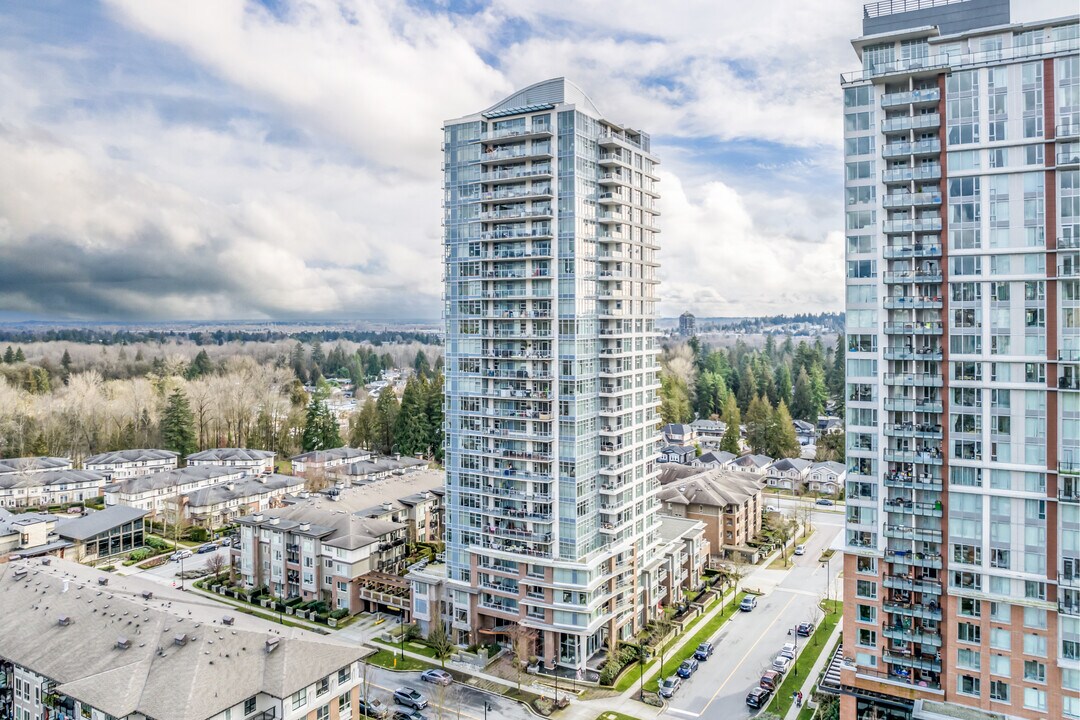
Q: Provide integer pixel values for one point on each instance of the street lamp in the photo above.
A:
(487, 706)
(181, 570)
(401, 625)
(555, 671)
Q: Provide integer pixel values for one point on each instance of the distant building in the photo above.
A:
(28, 465)
(218, 505)
(50, 487)
(728, 503)
(321, 461)
(254, 461)
(712, 459)
(24, 531)
(106, 533)
(751, 464)
(124, 464)
(827, 478)
(376, 467)
(152, 492)
(787, 473)
(679, 434)
(805, 432)
(676, 454)
(680, 561)
(687, 324)
(69, 650)
(708, 429)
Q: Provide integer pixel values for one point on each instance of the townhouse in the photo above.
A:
(218, 505)
(254, 461)
(153, 492)
(124, 464)
(50, 487)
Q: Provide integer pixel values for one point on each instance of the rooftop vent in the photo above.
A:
(123, 643)
(387, 505)
(271, 644)
(46, 561)
(63, 621)
(103, 581)
(180, 639)
(275, 520)
(227, 620)
(147, 595)
(305, 526)
(19, 574)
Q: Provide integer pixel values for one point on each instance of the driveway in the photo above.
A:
(747, 645)
(444, 703)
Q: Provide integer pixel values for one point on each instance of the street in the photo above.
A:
(166, 574)
(445, 703)
(746, 646)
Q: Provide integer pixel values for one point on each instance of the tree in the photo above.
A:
(9, 356)
(363, 426)
(434, 416)
(200, 366)
(386, 413)
(802, 401)
(178, 425)
(730, 442)
(819, 391)
(411, 428)
(439, 641)
(674, 399)
(421, 364)
(748, 389)
(19, 356)
(320, 426)
(758, 417)
(65, 361)
(783, 384)
(523, 645)
(782, 440)
(215, 564)
(830, 446)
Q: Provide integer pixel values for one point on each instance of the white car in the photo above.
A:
(788, 651)
(180, 555)
(800, 549)
(781, 664)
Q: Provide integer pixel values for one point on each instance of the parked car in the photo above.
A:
(805, 629)
(800, 549)
(75, 510)
(226, 542)
(781, 663)
(704, 651)
(372, 708)
(687, 668)
(408, 715)
(208, 547)
(758, 697)
(439, 677)
(410, 698)
(825, 501)
(771, 680)
(180, 555)
(788, 651)
(748, 603)
(669, 685)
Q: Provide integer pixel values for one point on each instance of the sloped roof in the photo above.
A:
(216, 667)
(95, 523)
(546, 92)
(51, 477)
(172, 478)
(230, 455)
(757, 461)
(835, 467)
(716, 456)
(715, 488)
(242, 489)
(126, 456)
(332, 454)
(337, 528)
(32, 464)
(784, 464)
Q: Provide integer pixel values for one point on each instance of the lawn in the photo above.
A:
(413, 647)
(805, 663)
(393, 661)
(706, 631)
(614, 716)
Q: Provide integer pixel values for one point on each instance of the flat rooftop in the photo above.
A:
(364, 496)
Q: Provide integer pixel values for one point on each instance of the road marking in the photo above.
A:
(797, 592)
(456, 711)
(761, 637)
(683, 712)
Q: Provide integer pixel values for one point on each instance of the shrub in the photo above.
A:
(623, 655)
(157, 543)
(198, 534)
(339, 613)
(140, 554)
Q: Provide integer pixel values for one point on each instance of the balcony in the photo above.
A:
(929, 171)
(893, 252)
(907, 532)
(1068, 158)
(918, 559)
(911, 122)
(914, 430)
(899, 505)
(915, 636)
(509, 215)
(910, 199)
(918, 98)
(905, 149)
(914, 302)
(536, 191)
(1068, 130)
(922, 481)
(608, 138)
(906, 353)
(914, 379)
(923, 612)
(907, 277)
(896, 227)
(911, 661)
(498, 176)
(543, 232)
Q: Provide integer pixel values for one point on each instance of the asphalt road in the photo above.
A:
(454, 702)
(166, 574)
(747, 645)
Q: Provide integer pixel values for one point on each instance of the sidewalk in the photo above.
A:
(815, 671)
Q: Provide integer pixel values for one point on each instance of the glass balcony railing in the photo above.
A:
(930, 171)
(912, 97)
(911, 122)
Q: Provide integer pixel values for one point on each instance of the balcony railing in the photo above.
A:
(899, 302)
(911, 122)
(903, 149)
(917, 559)
(913, 97)
(907, 199)
(930, 171)
(912, 251)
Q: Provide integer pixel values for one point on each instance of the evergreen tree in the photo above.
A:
(386, 413)
(818, 389)
(40, 447)
(65, 361)
(748, 389)
(19, 357)
(837, 376)
(411, 429)
(178, 425)
(758, 417)
(674, 400)
(318, 357)
(782, 440)
(730, 441)
(138, 355)
(9, 356)
(386, 361)
(421, 364)
(710, 394)
(372, 367)
(434, 413)
(320, 425)
(770, 347)
(802, 401)
(783, 383)
(200, 366)
(363, 426)
(296, 360)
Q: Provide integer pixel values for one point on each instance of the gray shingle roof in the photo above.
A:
(784, 464)
(172, 478)
(332, 454)
(715, 488)
(336, 527)
(230, 455)
(95, 523)
(240, 489)
(128, 456)
(381, 464)
(836, 467)
(28, 464)
(51, 477)
(215, 669)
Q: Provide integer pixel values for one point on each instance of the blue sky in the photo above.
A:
(214, 159)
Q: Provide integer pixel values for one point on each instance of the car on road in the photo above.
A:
(226, 541)
(669, 685)
(758, 697)
(410, 698)
(825, 501)
(770, 680)
(788, 651)
(781, 663)
(408, 715)
(687, 668)
(805, 629)
(772, 508)
(800, 549)
(180, 555)
(704, 651)
(439, 677)
(209, 547)
(748, 603)
(372, 708)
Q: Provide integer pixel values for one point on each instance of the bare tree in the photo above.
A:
(438, 639)
(215, 564)
(523, 646)
(736, 571)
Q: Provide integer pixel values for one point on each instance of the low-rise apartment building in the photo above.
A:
(153, 492)
(728, 503)
(218, 505)
(375, 467)
(681, 558)
(826, 477)
(24, 530)
(321, 461)
(787, 473)
(50, 487)
(28, 465)
(317, 553)
(254, 461)
(67, 650)
(124, 464)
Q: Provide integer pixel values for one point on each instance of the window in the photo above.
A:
(970, 607)
(1001, 665)
(344, 674)
(322, 686)
(867, 614)
(999, 690)
(344, 704)
(249, 706)
(866, 589)
(323, 713)
(968, 658)
(1034, 671)
(1035, 618)
(968, 632)
(299, 699)
(1000, 638)
(1035, 645)
(1035, 698)
(858, 96)
(968, 685)
(867, 638)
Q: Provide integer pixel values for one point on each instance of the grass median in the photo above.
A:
(672, 660)
(815, 645)
(393, 661)
(614, 716)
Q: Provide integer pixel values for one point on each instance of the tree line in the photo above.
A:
(105, 336)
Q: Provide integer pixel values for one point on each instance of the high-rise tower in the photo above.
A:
(962, 198)
(551, 373)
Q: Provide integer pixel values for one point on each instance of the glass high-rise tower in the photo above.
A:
(551, 374)
(962, 199)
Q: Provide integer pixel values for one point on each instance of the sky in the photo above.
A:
(280, 159)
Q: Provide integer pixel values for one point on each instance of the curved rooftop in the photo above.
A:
(546, 92)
